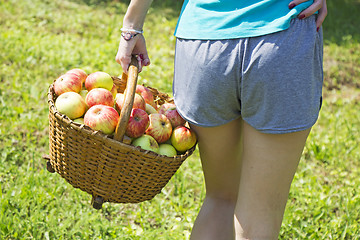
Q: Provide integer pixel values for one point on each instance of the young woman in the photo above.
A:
(248, 79)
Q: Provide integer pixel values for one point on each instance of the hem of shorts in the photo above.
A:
(284, 131)
(262, 130)
(210, 125)
(196, 123)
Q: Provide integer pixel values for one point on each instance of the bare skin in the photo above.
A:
(247, 180)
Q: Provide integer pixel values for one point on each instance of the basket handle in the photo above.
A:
(131, 81)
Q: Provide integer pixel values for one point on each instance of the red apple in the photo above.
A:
(138, 123)
(169, 110)
(99, 80)
(183, 138)
(146, 94)
(138, 102)
(146, 142)
(71, 104)
(67, 82)
(159, 128)
(102, 118)
(98, 96)
(80, 73)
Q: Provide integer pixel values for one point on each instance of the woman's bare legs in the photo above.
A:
(247, 175)
(269, 162)
(220, 153)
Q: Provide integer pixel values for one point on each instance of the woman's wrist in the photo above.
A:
(132, 30)
(130, 33)
(131, 26)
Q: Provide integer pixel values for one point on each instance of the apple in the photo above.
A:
(138, 101)
(98, 96)
(71, 104)
(80, 73)
(159, 128)
(146, 142)
(103, 118)
(99, 80)
(146, 94)
(119, 101)
(67, 82)
(167, 150)
(150, 109)
(169, 110)
(79, 120)
(83, 93)
(114, 90)
(138, 123)
(183, 138)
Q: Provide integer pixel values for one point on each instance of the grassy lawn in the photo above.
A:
(39, 40)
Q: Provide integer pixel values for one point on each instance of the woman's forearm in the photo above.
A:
(136, 13)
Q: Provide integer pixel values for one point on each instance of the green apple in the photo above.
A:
(167, 150)
(79, 120)
(99, 80)
(146, 142)
(149, 109)
(83, 93)
(71, 104)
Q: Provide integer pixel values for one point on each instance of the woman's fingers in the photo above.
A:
(135, 46)
(123, 56)
(141, 52)
(143, 60)
(318, 5)
(308, 11)
(321, 16)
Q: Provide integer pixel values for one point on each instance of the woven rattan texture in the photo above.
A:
(99, 165)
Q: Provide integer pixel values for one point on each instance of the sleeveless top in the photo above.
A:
(227, 19)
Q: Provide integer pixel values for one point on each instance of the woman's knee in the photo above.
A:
(221, 202)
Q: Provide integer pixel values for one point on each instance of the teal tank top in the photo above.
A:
(226, 19)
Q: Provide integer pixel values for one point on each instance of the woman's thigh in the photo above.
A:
(220, 153)
(269, 162)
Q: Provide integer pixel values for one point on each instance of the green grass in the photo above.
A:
(42, 39)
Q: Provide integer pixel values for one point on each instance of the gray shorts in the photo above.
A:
(274, 82)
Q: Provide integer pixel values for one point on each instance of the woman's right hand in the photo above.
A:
(318, 5)
(135, 46)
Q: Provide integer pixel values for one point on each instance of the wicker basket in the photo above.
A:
(102, 165)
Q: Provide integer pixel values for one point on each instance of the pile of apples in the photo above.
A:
(93, 100)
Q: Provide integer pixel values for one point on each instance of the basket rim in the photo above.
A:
(89, 131)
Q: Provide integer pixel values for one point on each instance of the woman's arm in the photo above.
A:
(318, 5)
(133, 21)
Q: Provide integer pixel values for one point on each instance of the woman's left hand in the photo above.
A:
(318, 5)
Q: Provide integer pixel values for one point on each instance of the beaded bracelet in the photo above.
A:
(129, 33)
